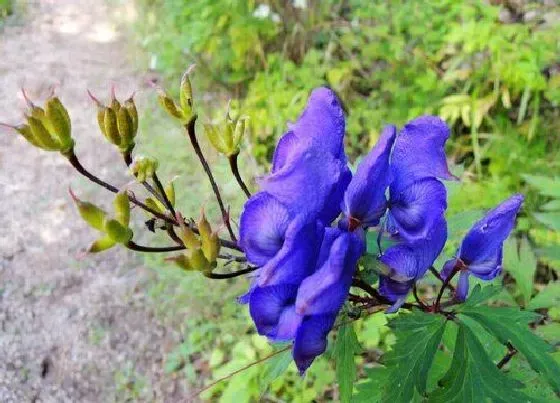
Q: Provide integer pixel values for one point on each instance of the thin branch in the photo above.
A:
(438, 276)
(73, 159)
(235, 169)
(417, 298)
(509, 355)
(164, 197)
(190, 127)
(225, 256)
(446, 282)
(153, 249)
(222, 276)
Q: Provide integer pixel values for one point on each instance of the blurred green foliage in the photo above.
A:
(6, 8)
(491, 69)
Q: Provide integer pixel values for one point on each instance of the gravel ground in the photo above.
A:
(72, 327)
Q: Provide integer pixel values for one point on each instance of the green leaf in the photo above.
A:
(550, 332)
(458, 224)
(549, 253)
(547, 186)
(478, 295)
(506, 324)
(418, 337)
(551, 220)
(553, 205)
(275, 367)
(370, 390)
(547, 298)
(521, 264)
(473, 377)
(535, 385)
(346, 346)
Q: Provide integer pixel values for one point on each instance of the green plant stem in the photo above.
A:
(235, 170)
(164, 197)
(222, 276)
(190, 128)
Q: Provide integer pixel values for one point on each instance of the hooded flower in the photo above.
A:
(365, 201)
(480, 253)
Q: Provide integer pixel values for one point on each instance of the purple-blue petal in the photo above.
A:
(394, 290)
(448, 268)
(267, 306)
(307, 182)
(311, 339)
(415, 208)
(419, 151)
(485, 238)
(462, 289)
(326, 290)
(297, 257)
(487, 269)
(262, 228)
(365, 199)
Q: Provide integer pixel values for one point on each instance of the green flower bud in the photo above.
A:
(197, 260)
(101, 244)
(169, 106)
(60, 123)
(118, 232)
(111, 127)
(122, 208)
(25, 132)
(170, 192)
(154, 205)
(186, 95)
(126, 130)
(130, 106)
(187, 235)
(143, 168)
(239, 132)
(42, 135)
(214, 134)
(90, 213)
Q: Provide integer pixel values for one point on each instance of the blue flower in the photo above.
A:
(365, 201)
(480, 253)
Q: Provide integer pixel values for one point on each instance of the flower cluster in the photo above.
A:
(307, 264)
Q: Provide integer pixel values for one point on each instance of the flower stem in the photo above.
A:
(446, 282)
(509, 355)
(235, 169)
(153, 249)
(190, 127)
(231, 275)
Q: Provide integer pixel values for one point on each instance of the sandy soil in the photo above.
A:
(71, 328)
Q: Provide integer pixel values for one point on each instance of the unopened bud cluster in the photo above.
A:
(202, 251)
(118, 122)
(48, 128)
(226, 136)
(184, 111)
(115, 228)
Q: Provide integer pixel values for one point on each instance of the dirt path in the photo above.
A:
(71, 329)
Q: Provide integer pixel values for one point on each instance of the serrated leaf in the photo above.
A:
(346, 346)
(370, 390)
(275, 367)
(418, 337)
(522, 265)
(551, 220)
(535, 385)
(473, 377)
(506, 324)
(547, 298)
(480, 294)
(546, 185)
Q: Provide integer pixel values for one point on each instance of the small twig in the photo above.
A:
(153, 249)
(238, 273)
(438, 276)
(235, 169)
(509, 355)
(161, 191)
(190, 127)
(417, 298)
(73, 159)
(446, 282)
(225, 256)
(378, 298)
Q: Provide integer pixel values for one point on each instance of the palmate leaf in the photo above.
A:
(473, 376)
(509, 325)
(346, 346)
(547, 298)
(418, 337)
(521, 264)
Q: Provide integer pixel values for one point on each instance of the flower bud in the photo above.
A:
(118, 232)
(240, 128)
(197, 260)
(25, 132)
(210, 243)
(154, 205)
(59, 120)
(111, 126)
(186, 95)
(101, 244)
(126, 130)
(170, 192)
(169, 106)
(143, 168)
(188, 236)
(90, 213)
(42, 135)
(214, 134)
(130, 106)
(226, 138)
(122, 208)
